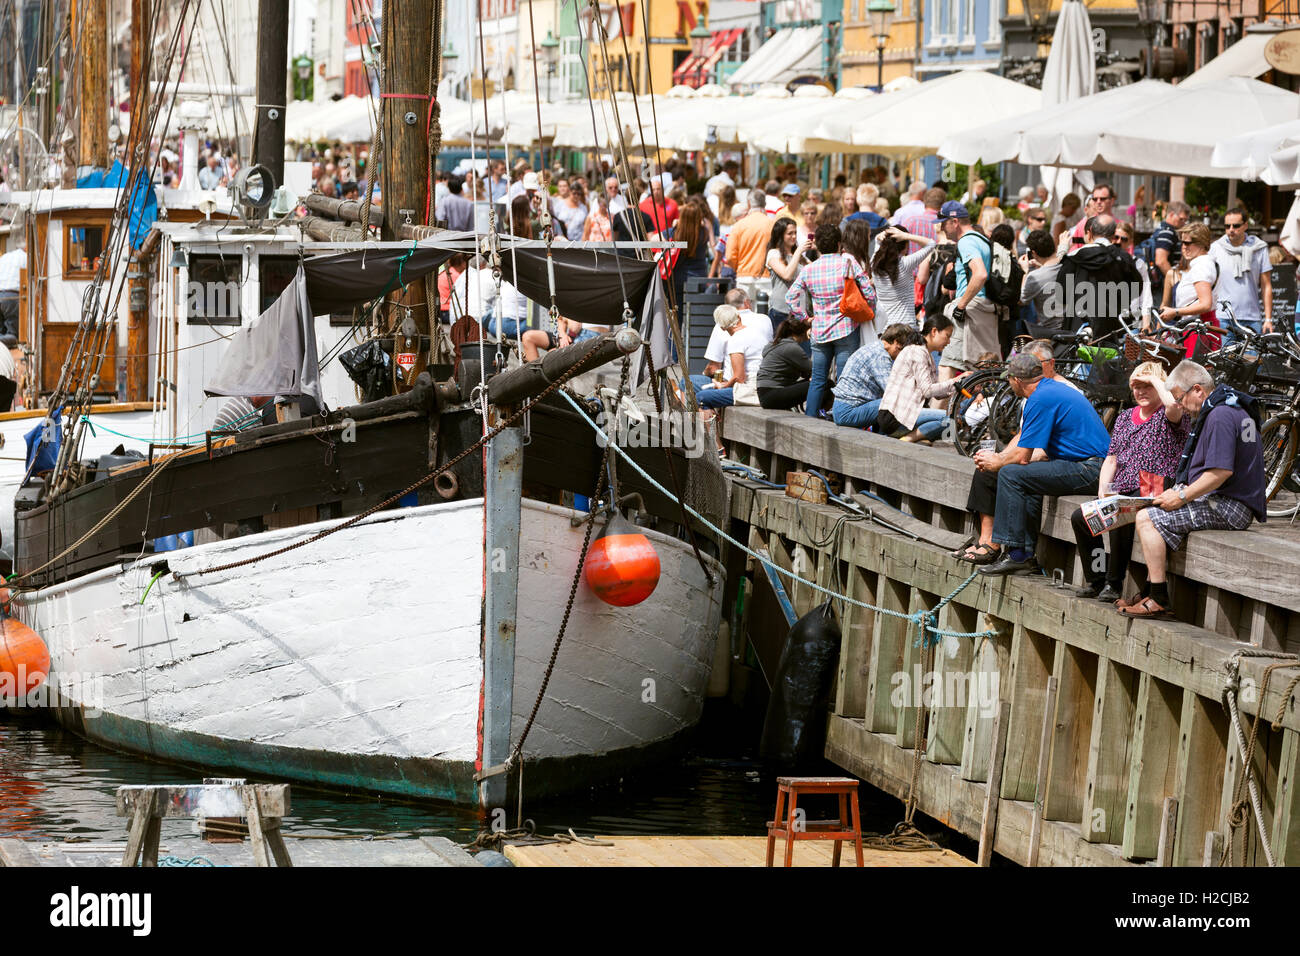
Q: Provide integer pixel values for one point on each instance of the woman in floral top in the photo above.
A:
(1144, 451)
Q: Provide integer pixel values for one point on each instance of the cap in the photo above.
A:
(1025, 367)
(952, 209)
(531, 181)
(790, 189)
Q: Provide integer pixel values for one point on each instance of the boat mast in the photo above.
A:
(411, 64)
(90, 27)
(272, 86)
(137, 328)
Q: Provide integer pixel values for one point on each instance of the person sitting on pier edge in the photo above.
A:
(913, 381)
(1219, 479)
(859, 391)
(715, 353)
(1062, 424)
(1143, 456)
(981, 501)
(783, 375)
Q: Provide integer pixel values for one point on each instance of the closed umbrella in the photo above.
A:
(1070, 74)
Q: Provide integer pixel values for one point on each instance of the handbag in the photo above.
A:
(744, 393)
(852, 302)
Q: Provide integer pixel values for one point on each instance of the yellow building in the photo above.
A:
(860, 58)
(633, 58)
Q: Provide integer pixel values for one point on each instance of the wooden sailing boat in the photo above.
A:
(401, 652)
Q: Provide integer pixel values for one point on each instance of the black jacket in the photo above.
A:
(1097, 283)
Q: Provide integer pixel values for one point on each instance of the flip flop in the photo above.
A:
(1144, 608)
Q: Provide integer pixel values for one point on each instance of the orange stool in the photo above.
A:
(787, 825)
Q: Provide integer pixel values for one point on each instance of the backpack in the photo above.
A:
(936, 294)
(1005, 274)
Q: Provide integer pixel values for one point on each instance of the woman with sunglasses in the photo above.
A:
(1127, 239)
(1191, 293)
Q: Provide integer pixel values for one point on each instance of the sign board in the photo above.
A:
(1283, 51)
(405, 361)
(1284, 294)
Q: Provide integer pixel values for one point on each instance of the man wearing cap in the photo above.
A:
(1061, 449)
(793, 197)
(975, 317)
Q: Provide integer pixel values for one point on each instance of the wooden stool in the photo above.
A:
(787, 825)
(262, 805)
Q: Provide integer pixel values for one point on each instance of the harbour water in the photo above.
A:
(56, 786)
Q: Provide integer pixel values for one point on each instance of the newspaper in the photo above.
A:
(1106, 514)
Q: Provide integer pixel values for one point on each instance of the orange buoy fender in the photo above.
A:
(622, 566)
(24, 660)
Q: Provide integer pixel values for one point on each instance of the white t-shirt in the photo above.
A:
(11, 266)
(716, 350)
(1200, 270)
(750, 342)
(759, 322)
(474, 294)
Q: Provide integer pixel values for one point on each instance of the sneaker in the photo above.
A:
(1094, 589)
(1109, 595)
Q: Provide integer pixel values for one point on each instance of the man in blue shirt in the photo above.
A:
(1220, 480)
(1062, 445)
(859, 390)
(973, 315)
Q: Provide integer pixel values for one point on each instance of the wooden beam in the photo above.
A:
(956, 688)
(1076, 673)
(211, 801)
(989, 822)
(1109, 749)
(1044, 762)
(1031, 669)
(885, 669)
(1152, 768)
(91, 31)
(272, 85)
(1286, 811)
(1202, 748)
(1168, 832)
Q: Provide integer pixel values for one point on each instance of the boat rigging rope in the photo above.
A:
(924, 621)
(393, 499)
(1246, 790)
(157, 469)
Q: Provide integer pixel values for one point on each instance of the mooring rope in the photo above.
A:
(924, 621)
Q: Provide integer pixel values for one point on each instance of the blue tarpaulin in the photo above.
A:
(144, 201)
(43, 443)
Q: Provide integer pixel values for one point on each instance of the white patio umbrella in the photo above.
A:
(1249, 155)
(914, 122)
(1038, 136)
(1177, 135)
(1070, 74)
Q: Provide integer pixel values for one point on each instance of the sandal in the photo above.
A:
(981, 554)
(1146, 607)
(1122, 603)
(965, 546)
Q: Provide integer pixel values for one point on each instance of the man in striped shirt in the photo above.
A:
(239, 413)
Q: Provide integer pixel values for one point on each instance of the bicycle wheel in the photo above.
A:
(1280, 439)
(966, 438)
(1004, 414)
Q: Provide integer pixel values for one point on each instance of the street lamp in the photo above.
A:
(881, 13)
(700, 37)
(1151, 13)
(302, 66)
(549, 47)
(1036, 13)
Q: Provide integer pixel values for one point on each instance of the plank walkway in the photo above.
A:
(422, 851)
(713, 852)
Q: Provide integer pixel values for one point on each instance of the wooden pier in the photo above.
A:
(732, 851)
(1135, 761)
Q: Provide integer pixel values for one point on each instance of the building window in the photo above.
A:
(996, 10)
(215, 290)
(83, 244)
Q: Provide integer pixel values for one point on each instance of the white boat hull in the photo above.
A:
(356, 661)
